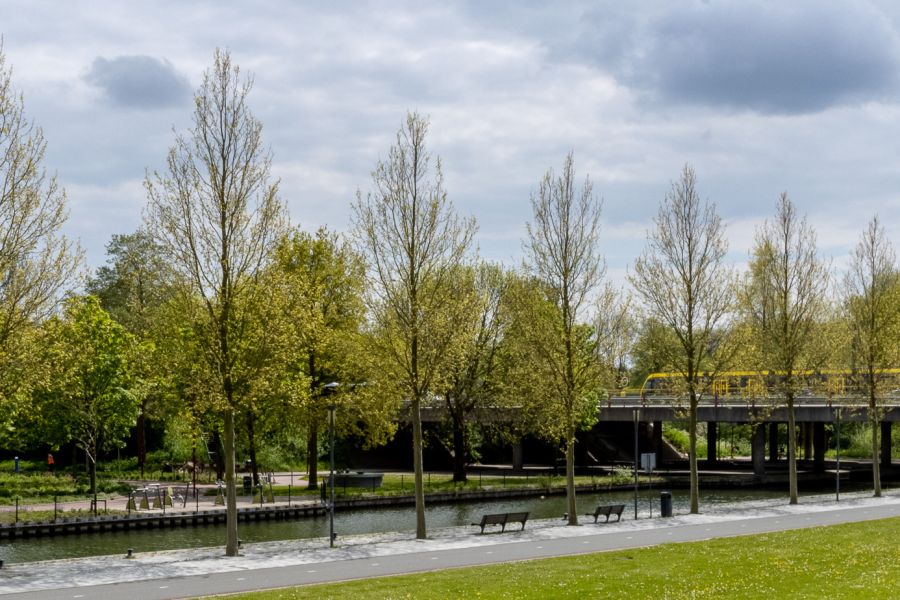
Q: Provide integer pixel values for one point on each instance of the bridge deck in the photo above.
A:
(726, 410)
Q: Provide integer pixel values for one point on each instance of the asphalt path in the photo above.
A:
(418, 562)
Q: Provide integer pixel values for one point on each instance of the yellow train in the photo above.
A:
(753, 384)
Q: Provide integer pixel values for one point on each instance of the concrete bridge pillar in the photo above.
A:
(758, 451)
(773, 442)
(806, 428)
(518, 455)
(818, 441)
(886, 443)
(712, 441)
(658, 442)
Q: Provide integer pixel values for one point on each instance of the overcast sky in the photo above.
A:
(760, 97)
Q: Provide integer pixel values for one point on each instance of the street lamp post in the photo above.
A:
(329, 389)
(837, 467)
(637, 413)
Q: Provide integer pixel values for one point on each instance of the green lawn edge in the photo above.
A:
(851, 560)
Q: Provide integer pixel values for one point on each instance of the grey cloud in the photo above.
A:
(139, 81)
(766, 57)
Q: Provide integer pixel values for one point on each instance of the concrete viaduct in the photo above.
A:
(811, 415)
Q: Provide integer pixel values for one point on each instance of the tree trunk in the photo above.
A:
(194, 465)
(570, 473)
(312, 454)
(220, 455)
(312, 441)
(418, 468)
(876, 429)
(692, 459)
(231, 528)
(459, 447)
(92, 459)
(792, 450)
(251, 442)
(142, 438)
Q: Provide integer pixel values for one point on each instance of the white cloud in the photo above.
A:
(510, 91)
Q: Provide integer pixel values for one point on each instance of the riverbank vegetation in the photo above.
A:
(842, 561)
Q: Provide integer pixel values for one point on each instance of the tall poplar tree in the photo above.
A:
(872, 306)
(413, 239)
(563, 255)
(787, 300)
(36, 261)
(687, 289)
(217, 216)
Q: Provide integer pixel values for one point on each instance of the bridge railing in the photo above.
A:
(726, 401)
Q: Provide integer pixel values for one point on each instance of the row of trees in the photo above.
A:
(224, 322)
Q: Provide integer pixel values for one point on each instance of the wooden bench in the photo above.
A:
(502, 519)
(606, 511)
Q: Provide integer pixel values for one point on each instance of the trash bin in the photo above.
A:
(248, 484)
(665, 504)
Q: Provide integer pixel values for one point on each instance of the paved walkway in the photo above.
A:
(184, 573)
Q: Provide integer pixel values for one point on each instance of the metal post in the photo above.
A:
(636, 459)
(837, 470)
(331, 477)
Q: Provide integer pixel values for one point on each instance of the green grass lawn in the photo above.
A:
(844, 561)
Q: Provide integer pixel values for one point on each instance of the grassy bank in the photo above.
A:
(398, 484)
(843, 561)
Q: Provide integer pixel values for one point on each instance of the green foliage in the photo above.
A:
(652, 350)
(787, 564)
(856, 441)
(622, 476)
(535, 355)
(680, 439)
(45, 486)
(87, 390)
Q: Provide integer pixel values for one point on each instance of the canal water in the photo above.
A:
(360, 521)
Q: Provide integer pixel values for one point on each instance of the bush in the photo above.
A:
(680, 440)
(859, 444)
(47, 486)
(621, 475)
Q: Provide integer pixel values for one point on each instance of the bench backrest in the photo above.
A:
(618, 508)
(517, 516)
(498, 519)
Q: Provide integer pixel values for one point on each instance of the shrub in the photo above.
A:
(680, 440)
